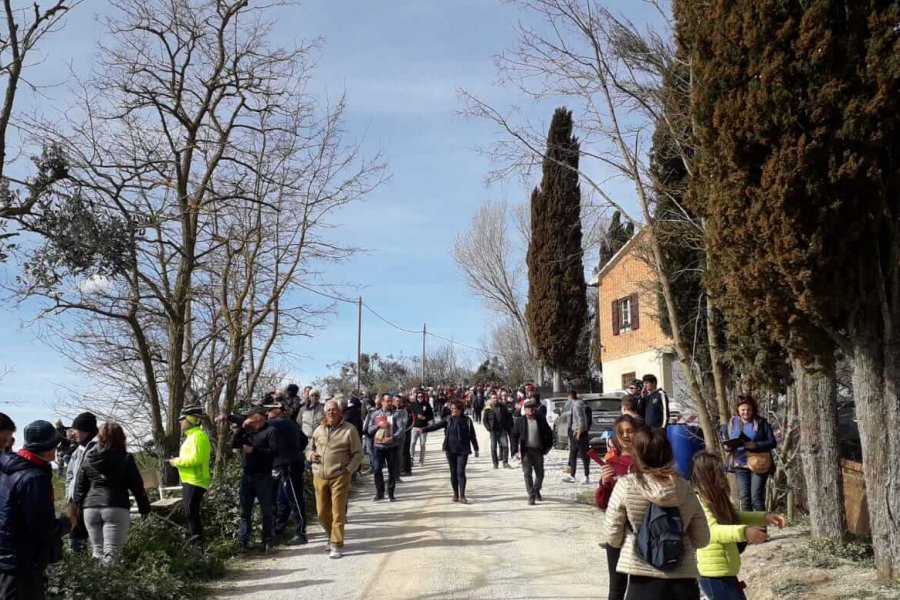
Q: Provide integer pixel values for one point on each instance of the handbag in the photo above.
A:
(759, 462)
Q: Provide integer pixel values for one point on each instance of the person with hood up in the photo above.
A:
(193, 467)
(83, 431)
(30, 533)
(108, 473)
(655, 481)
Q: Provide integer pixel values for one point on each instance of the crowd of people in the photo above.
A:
(665, 536)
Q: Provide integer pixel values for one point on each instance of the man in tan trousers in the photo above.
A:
(335, 452)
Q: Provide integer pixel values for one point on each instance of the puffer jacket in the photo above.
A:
(30, 531)
(625, 515)
(106, 478)
(339, 448)
(721, 558)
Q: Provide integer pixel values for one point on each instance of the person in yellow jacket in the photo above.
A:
(720, 561)
(193, 468)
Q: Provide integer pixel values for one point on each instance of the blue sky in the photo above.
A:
(401, 64)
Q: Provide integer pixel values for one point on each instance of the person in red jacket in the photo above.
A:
(615, 464)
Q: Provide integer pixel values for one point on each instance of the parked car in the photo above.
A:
(605, 409)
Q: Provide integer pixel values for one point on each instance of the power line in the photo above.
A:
(403, 329)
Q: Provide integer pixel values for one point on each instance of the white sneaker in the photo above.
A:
(568, 479)
(585, 481)
(335, 553)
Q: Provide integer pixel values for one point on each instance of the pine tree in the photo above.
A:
(556, 308)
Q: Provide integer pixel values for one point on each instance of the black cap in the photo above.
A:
(85, 422)
(257, 410)
(40, 436)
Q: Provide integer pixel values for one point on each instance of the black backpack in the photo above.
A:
(660, 542)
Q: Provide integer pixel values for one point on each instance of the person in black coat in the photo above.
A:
(459, 441)
(258, 443)
(107, 474)
(30, 532)
(289, 466)
(498, 421)
(535, 440)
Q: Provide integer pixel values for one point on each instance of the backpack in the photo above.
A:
(660, 542)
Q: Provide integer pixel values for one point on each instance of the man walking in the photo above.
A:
(258, 443)
(535, 440)
(335, 453)
(193, 468)
(30, 534)
(423, 415)
(84, 429)
(386, 426)
(654, 404)
(311, 413)
(579, 425)
(289, 465)
(497, 421)
(402, 407)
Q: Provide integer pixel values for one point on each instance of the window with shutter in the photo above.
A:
(615, 317)
(625, 313)
(635, 312)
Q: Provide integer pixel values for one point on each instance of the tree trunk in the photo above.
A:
(816, 388)
(876, 377)
(718, 371)
(557, 381)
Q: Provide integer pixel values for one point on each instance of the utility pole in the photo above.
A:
(424, 335)
(359, 348)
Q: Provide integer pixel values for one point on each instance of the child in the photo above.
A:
(720, 561)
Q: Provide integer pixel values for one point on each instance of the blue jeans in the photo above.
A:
(751, 489)
(722, 588)
(499, 447)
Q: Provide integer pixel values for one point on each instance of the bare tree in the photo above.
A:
(199, 137)
(25, 24)
(484, 254)
(614, 73)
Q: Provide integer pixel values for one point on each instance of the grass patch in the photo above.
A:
(788, 587)
(825, 554)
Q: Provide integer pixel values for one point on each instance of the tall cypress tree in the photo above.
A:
(796, 105)
(556, 308)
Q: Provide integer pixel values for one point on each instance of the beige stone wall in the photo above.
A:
(629, 275)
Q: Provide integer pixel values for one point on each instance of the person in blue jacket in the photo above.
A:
(760, 440)
(30, 531)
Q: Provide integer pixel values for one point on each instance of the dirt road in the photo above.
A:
(425, 546)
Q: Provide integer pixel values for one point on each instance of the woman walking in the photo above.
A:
(107, 475)
(617, 463)
(751, 451)
(720, 562)
(655, 484)
(459, 441)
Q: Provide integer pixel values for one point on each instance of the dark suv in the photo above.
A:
(605, 409)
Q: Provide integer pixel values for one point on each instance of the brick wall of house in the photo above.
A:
(629, 275)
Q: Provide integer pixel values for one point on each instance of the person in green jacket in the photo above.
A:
(193, 468)
(720, 562)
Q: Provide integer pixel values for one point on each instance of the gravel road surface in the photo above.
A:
(425, 546)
